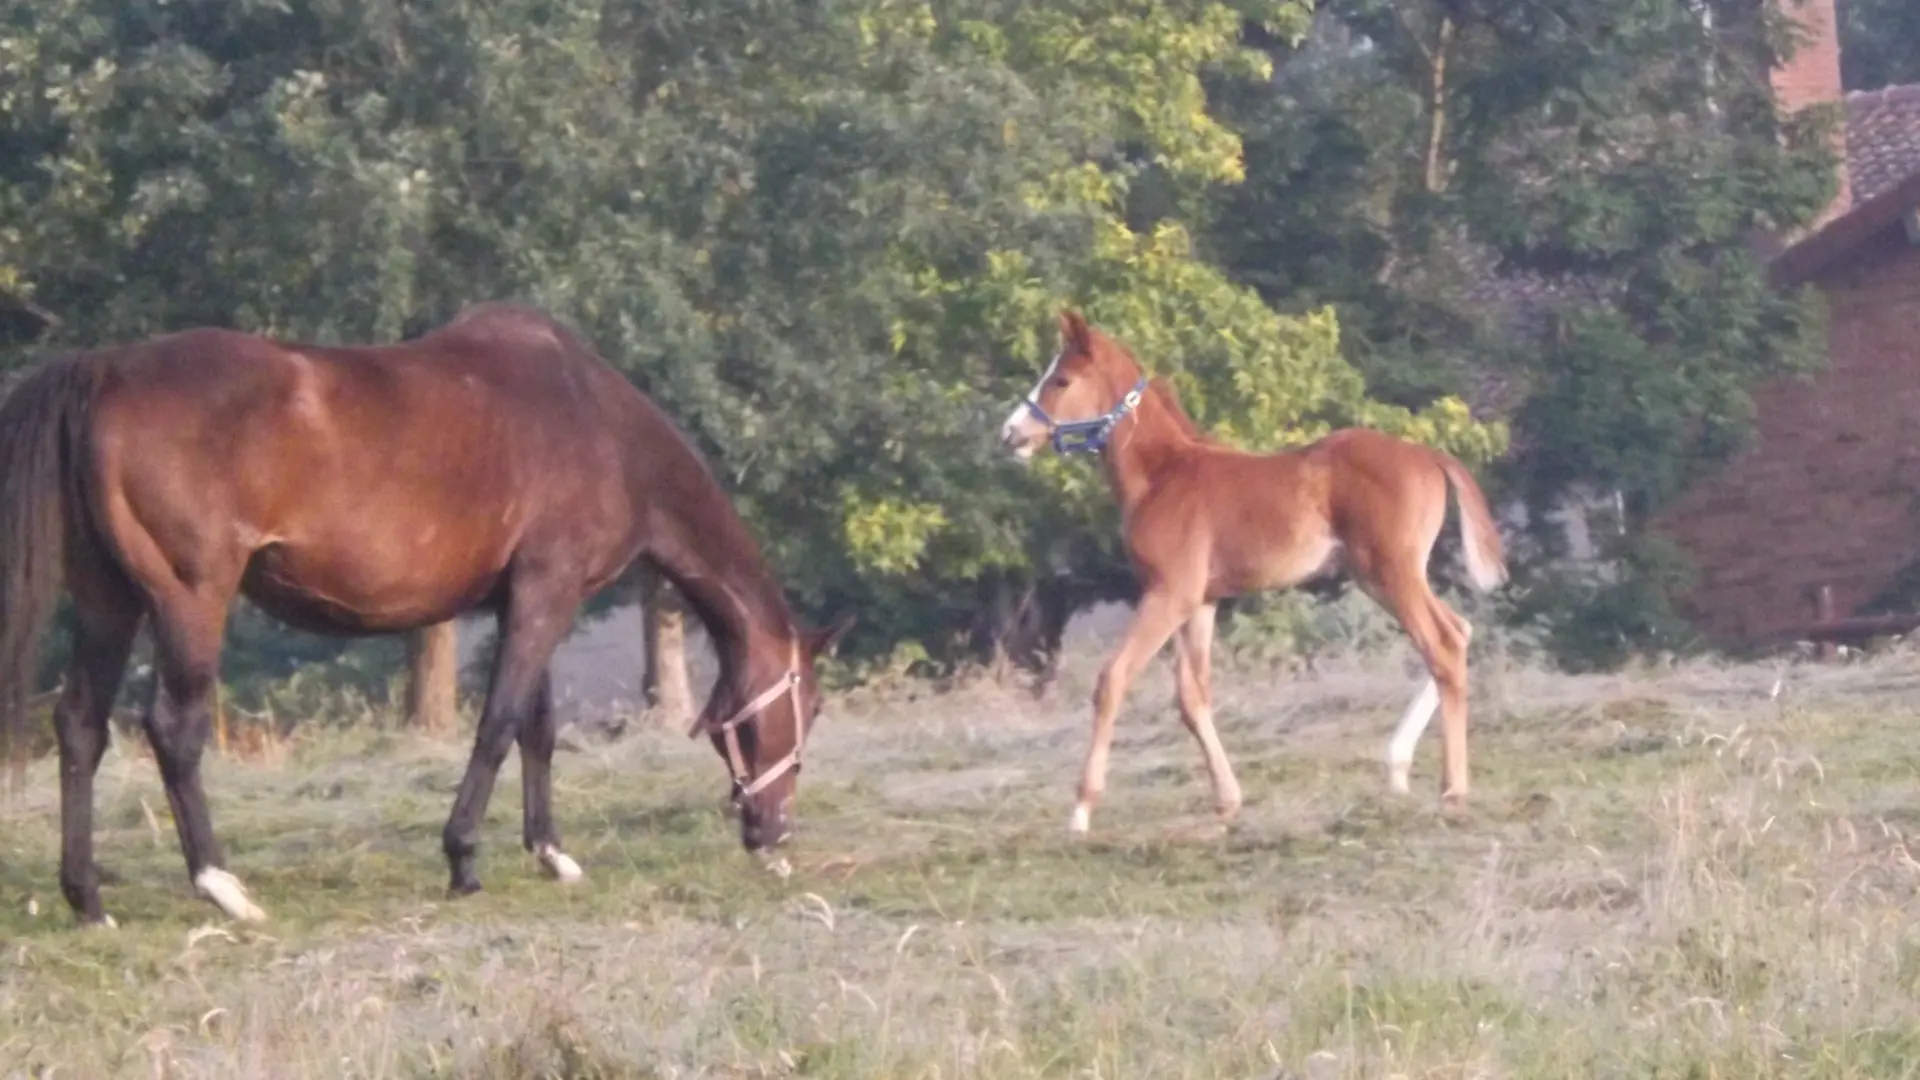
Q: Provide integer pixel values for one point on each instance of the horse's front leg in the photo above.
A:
(536, 787)
(531, 627)
(1158, 615)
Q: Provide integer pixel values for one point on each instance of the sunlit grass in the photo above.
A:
(1670, 874)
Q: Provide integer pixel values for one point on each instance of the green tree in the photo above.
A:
(830, 238)
(1551, 202)
(1879, 43)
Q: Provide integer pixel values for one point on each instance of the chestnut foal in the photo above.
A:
(1203, 521)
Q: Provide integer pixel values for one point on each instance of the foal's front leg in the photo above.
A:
(1193, 676)
(1153, 622)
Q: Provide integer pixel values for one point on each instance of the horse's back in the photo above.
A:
(334, 473)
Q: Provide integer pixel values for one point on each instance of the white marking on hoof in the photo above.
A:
(1398, 777)
(106, 923)
(227, 894)
(1082, 819)
(559, 864)
(781, 868)
(1406, 735)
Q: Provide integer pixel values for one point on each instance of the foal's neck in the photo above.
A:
(1142, 447)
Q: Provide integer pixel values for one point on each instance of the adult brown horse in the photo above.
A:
(495, 463)
(1202, 521)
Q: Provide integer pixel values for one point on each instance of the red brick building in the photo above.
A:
(1829, 495)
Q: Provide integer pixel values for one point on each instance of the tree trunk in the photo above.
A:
(663, 676)
(431, 686)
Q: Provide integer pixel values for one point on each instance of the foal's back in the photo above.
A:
(1270, 521)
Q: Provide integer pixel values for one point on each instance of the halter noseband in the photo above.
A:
(1088, 436)
(745, 786)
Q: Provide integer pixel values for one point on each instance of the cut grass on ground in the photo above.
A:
(1673, 874)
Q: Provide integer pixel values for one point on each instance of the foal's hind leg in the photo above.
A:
(187, 630)
(536, 786)
(1153, 622)
(1440, 636)
(1413, 722)
(1193, 660)
(102, 640)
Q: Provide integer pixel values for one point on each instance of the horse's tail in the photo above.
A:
(1479, 535)
(43, 432)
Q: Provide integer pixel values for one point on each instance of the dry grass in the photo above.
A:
(1662, 874)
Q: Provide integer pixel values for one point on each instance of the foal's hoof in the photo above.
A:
(1398, 778)
(558, 865)
(1081, 821)
(458, 889)
(228, 894)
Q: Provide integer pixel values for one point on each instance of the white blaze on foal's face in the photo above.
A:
(1024, 431)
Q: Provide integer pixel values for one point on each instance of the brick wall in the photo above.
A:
(1830, 493)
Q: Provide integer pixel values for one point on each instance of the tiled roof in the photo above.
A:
(1883, 139)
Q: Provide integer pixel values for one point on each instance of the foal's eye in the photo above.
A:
(1060, 382)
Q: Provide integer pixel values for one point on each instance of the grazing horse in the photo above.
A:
(495, 463)
(1202, 521)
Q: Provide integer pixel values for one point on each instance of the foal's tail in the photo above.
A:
(1479, 536)
(43, 433)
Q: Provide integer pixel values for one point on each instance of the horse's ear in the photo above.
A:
(822, 641)
(1073, 330)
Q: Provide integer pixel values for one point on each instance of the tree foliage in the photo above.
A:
(1879, 43)
(1546, 206)
(829, 237)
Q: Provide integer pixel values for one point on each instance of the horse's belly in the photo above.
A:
(348, 595)
(1274, 566)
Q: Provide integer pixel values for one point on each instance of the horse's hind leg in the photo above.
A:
(1158, 615)
(103, 637)
(188, 627)
(536, 786)
(1193, 661)
(1440, 636)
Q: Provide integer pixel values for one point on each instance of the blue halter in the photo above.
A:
(1088, 436)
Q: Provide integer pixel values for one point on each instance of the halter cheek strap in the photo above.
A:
(745, 785)
(1088, 436)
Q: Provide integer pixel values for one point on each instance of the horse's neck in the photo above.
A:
(1142, 449)
(704, 549)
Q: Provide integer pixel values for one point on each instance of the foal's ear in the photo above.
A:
(822, 641)
(1073, 330)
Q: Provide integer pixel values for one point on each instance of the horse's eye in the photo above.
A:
(1060, 382)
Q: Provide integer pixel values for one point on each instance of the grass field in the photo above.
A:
(1671, 873)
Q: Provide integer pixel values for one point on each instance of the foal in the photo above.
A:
(1202, 521)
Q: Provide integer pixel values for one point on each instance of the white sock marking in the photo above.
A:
(1413, 724)
(560, 865)
(228, 894)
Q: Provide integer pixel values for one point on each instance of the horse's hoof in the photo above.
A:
(1082, 820)
(462, 888)
(1398, 779)
(104, 922)
(559, 865)
(227, 894)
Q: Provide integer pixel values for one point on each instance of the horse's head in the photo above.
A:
(1080, 398)
(762, 739)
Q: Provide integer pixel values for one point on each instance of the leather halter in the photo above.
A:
(745, 785)
(1087, 436)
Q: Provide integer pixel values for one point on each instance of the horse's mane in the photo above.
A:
(1162, 391)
